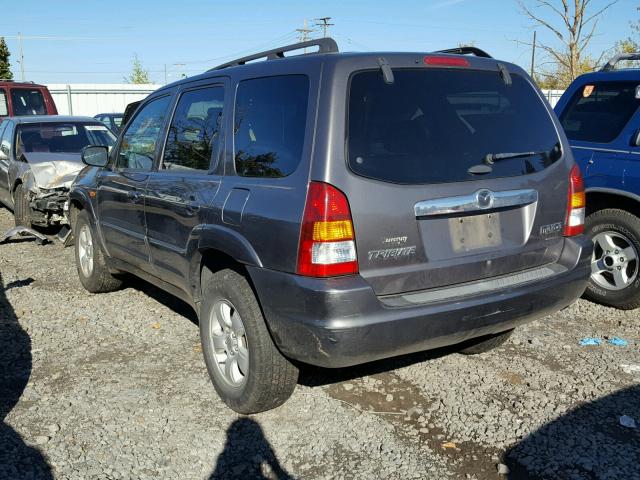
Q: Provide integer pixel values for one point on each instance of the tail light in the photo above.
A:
(446, 61)
(327, 242)
(574, 223)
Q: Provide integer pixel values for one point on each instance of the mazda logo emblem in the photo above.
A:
(484, 199)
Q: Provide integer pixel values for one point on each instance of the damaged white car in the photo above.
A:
(40, 157)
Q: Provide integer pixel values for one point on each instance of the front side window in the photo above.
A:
(137, 151)
(433, 125)
(4, 109)
(599, 111)
(194, 130)
(270, 124)
(27, 101)
(61, 137)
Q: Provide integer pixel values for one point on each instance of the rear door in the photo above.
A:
(423, 219)
(179, 193)
(121, 189)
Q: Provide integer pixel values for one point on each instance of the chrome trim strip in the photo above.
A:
(606, 150)
(475, 288)
(481, 200)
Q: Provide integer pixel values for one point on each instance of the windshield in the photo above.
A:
(432, 125)
(61, 137)
(27, 102)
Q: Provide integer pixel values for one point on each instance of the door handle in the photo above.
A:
(590, 162)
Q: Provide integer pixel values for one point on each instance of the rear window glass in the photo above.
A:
(270, 124)
(432, 125)
(599, 111)
(27, 102)
(61, 137)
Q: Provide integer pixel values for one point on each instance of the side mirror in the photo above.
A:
(95, 155)
(635, 139)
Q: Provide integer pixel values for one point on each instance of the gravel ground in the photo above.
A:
(114, 386)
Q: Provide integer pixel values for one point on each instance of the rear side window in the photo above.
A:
(194, 130)
(4, 110)
(598, 112)
(432, 125)
(27, 102)
(270, 124)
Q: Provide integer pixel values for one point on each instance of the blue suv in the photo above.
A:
(601, 116)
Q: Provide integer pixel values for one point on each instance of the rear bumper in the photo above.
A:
(340, 322)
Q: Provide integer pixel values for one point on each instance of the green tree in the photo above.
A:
(5, 66)
(138, 73)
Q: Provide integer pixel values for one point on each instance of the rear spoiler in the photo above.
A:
(465, 51)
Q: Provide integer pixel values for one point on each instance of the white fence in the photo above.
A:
(93, 98)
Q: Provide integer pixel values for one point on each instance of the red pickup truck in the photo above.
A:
(25, 98)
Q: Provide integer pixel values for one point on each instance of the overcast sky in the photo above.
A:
(93, 41)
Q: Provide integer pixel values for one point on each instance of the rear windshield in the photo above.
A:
(599, 111)
(27, 102)
(432, 125)
(61, 137)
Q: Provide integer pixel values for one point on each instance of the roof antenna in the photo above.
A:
(387, 73)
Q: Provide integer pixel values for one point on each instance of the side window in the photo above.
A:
(27, 102)
(4, 110)
(599, 111)
(270, 125)
(7, 138)
(137, 150)
(194, 131)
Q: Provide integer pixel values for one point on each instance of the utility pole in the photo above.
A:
(304, 32)
(165, 74)
(21, 57)
(324, 25)
(533, 55)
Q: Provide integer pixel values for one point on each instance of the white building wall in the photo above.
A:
(91, 99)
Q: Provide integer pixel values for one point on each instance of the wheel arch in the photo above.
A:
(602, 198)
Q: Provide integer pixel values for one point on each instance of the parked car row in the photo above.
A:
(334, 209)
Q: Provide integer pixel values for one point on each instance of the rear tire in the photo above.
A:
(615, 270)
(485, 344)
(247, 370)
(90, 262)
(21, 208)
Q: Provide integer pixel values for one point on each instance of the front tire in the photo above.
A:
(21, 208)
(615, 265)
(247, 370)
(90, 262)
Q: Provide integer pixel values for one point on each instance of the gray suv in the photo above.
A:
(334, 209)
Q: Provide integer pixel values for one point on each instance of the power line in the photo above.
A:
(324, 24)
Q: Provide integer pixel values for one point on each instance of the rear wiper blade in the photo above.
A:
(491, 158)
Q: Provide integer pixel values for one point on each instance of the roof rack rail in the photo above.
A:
(621, 57)
(466, 51)
(325, 45)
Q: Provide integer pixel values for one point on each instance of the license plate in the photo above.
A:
(475, 232)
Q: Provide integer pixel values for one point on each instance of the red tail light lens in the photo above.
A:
(577, 202)
(327, 241)
(446, 61)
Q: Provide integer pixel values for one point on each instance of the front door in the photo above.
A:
(180, 191)
(121, 189)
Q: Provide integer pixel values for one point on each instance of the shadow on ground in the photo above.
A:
(170, 301)
(311, 376)
(248, 455)
(586, 443)
(17, 459)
